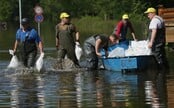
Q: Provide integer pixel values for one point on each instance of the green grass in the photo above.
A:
(88, 26)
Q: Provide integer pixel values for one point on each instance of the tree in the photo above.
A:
(6, 10)
(106, 9)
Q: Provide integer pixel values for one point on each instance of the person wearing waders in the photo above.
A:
(66, 38)
(27, 40)
(92, 46)
(157, 38)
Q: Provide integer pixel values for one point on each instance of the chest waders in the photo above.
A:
(90, 52)
(66, 44)
(158, 47)
(90, 55)
(28, 52)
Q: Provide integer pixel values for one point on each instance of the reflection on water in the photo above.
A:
(170, 90)
(84, 89)
(155, 93)
(80, 89)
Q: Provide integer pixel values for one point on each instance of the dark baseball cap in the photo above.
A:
(25, 21)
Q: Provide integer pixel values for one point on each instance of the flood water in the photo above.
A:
(80, 88)
(84, 89)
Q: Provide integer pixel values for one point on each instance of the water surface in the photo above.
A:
(84, 89)
(80, 89)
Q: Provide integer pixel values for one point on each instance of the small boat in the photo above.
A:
(123, 61)
(126, 63)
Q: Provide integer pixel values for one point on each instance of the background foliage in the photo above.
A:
(106, 9)
(90, 16)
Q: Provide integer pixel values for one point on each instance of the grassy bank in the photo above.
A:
(95, 25)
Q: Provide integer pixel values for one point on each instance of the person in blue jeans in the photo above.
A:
(26, 44)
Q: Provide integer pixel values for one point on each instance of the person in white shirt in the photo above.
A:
(157, 37)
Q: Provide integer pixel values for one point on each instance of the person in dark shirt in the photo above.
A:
(92, 46)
